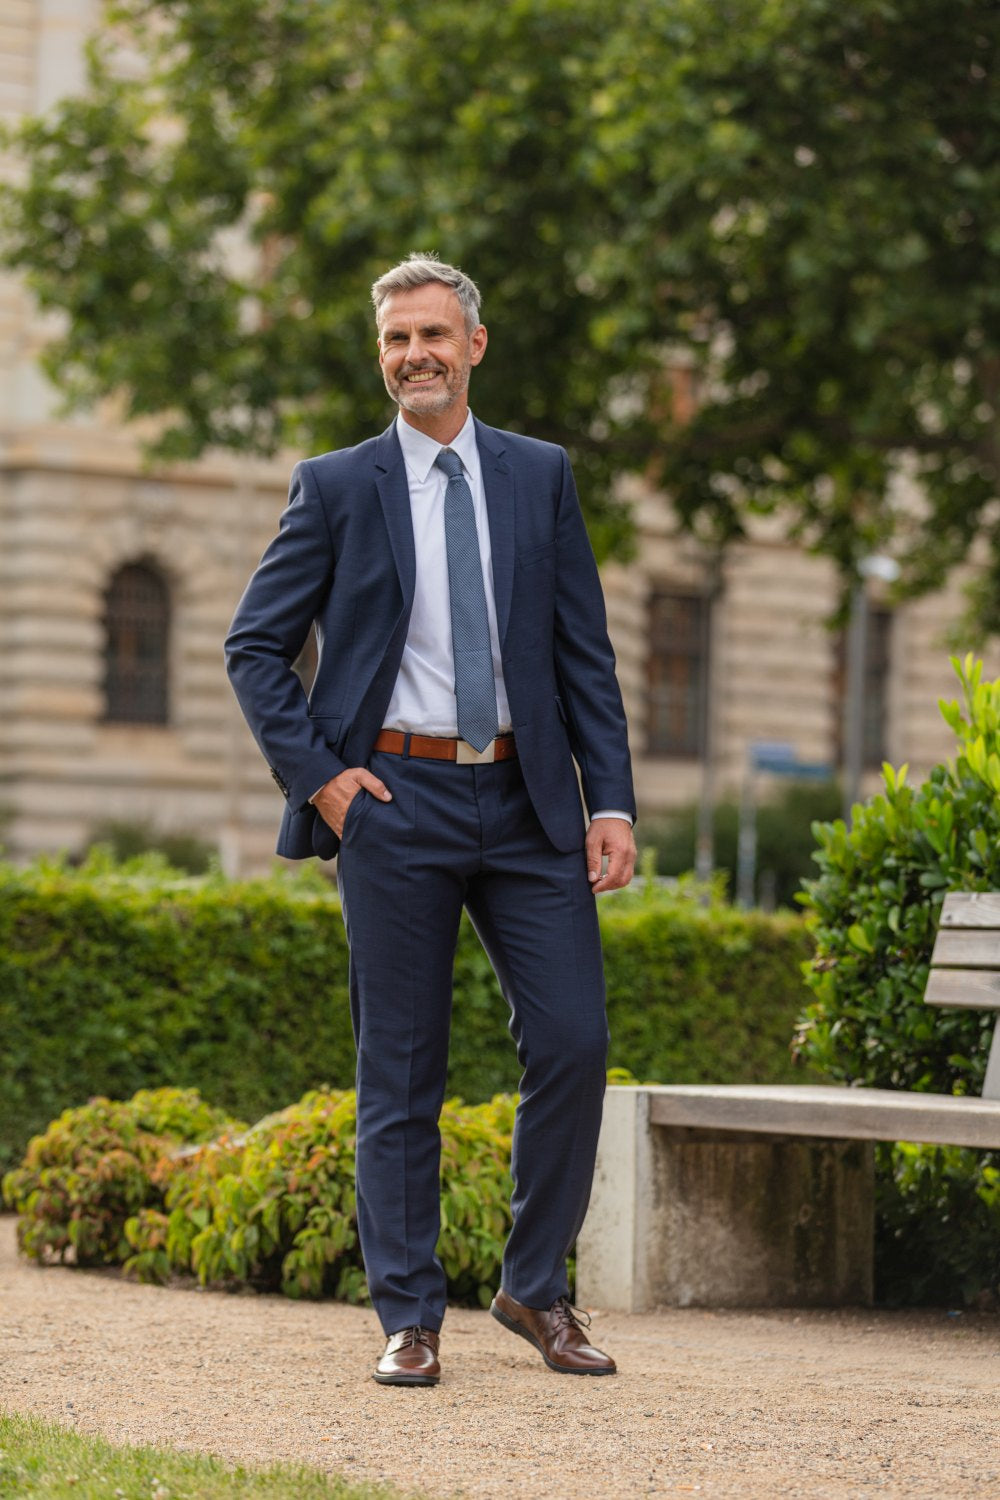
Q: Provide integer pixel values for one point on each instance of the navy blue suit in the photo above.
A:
(505, 840)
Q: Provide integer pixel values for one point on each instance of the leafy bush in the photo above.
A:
(118, 978)
(125, 840)
(874, 913)
(272, 1206)
(96, 1166)
(937, 1217)
(785, 841)
(279, 1212)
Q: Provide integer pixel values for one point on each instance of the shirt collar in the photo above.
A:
(420, 451)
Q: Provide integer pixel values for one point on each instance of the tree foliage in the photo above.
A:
(815, 216)
(793, 200)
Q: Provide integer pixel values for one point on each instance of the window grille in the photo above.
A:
(137, 638)
(677, 671)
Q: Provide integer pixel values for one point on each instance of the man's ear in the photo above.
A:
(478, 340)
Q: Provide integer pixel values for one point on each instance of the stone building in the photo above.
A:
(756, 629)
(117, 584)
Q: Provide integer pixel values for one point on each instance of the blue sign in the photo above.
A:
(777, 758)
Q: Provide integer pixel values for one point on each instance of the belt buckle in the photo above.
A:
(467, 755)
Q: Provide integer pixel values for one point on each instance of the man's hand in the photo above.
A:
(333, 800)
(613, 837)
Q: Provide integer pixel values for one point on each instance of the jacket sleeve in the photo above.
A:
(585, 663)
(269, 629)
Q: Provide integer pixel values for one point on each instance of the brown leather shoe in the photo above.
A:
(410, 1358)
(556, 1333)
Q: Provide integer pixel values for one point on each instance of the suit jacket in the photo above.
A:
(344, 559)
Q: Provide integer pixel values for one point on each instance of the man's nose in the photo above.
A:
(415, 350)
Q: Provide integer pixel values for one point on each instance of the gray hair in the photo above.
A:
(422, 270)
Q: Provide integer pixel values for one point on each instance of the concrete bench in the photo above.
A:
(757, 1195)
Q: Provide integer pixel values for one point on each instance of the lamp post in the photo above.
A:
(704, 858)
(885, 570)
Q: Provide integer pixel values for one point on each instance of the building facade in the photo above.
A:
(117, 585)
(753, 628)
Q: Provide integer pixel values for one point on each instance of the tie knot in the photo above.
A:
(449, 461)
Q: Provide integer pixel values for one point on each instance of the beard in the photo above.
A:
(433, 401)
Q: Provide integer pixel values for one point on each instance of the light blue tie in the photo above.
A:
(475, 689)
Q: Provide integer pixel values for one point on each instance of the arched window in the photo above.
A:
(136, 642)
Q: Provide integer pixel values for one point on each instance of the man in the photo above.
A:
(463, 664)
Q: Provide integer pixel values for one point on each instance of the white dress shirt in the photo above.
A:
(423, 700)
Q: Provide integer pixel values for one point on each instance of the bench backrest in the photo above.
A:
(965, 964)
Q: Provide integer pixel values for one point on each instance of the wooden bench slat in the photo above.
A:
(827, 1110)
(971, 909)
(967, 948)
(970, 989)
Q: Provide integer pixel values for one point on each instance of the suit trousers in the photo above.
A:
(456, 836)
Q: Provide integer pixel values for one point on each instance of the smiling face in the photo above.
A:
(426, 354)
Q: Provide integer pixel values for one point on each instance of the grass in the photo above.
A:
(46, 1462)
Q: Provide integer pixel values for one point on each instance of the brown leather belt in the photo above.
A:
(429, 747)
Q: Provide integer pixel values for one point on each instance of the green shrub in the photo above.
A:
(937, 1225)
(279, 1212)
(119, 978)
(183, 851)
(873, 913)
(97, 1166)
(272, 1206)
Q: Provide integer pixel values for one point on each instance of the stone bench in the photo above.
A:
(757, 1195)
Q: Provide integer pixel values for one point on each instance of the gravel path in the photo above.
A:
(825, 1404)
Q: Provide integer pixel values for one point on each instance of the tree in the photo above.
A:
(330, 138)
(793, 201)
(811, 192)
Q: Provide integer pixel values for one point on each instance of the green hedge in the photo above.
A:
(114, 979)
(785, 842)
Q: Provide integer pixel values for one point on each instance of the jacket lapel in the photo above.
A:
(498, 484)
(394, 493)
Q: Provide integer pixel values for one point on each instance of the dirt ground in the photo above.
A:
(831, 1404)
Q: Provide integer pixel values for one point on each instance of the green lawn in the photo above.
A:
(40, 1459)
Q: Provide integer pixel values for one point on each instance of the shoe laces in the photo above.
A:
(416, 1335)
(565, 1315)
